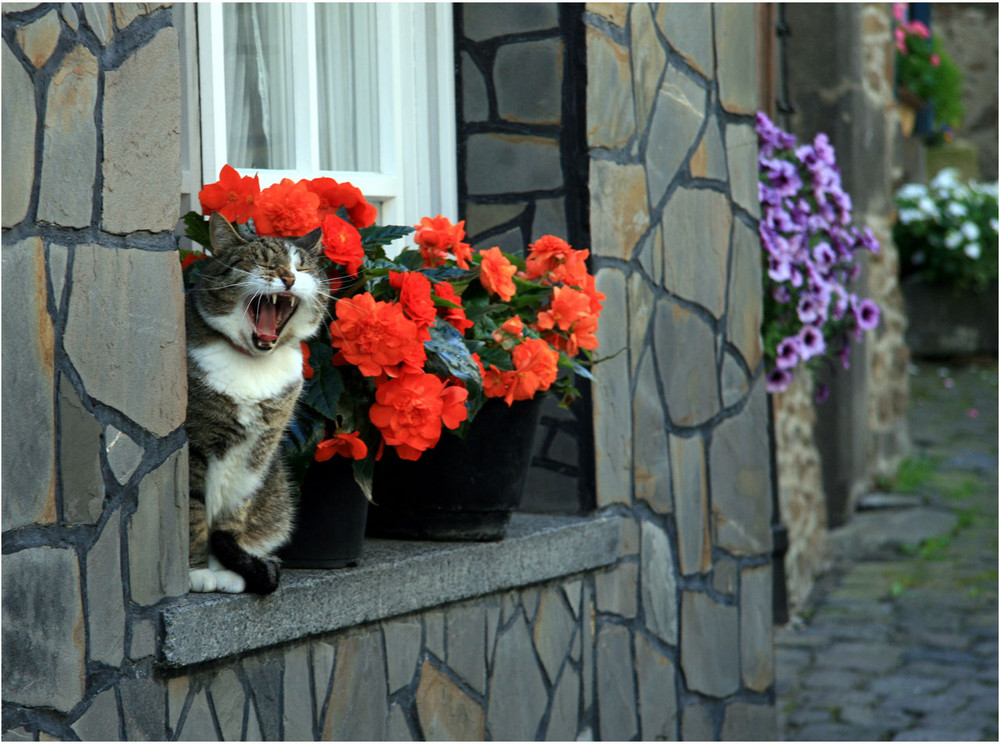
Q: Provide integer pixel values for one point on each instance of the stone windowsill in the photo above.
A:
(394, 577)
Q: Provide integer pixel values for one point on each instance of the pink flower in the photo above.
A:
(899, 12)
(918, 28)
(900, 35)
(935, 59)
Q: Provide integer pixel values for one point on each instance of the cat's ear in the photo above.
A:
(311, 242)
(222, 234)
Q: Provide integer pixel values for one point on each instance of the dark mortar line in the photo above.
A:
(212, 714)
(600, 24)
(127, 41)
(76, 537)
(724, 318)
(480, 698)
(555, 466)
(489, 46)
(513, 128)
(525, 196)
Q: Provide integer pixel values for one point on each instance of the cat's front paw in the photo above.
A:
(218, 580)
(263, 578)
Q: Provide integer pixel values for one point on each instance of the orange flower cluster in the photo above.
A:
(437, 237)
(377, 337)
(293, 208)
(409, 411)
(534, 371)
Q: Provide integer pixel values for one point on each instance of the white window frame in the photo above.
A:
(417, 173)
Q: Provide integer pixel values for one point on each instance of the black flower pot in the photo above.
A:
(463, 489)
(330, 523)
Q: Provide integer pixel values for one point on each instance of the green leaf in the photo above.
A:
(196, 228)
(322, 393)
(299, 444)
(364, 474)
(382, 235)
(448, 355)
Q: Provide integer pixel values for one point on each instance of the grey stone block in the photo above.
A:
(736, 57)
(640, 309)
(610, 107)
(482, 21)
(677, 118)
(735, 384)
(80, 459)
(399, 728)
(466, 624)
(619, 209)
(512, 163)
(158, 533)
(655, 675)
(298, 708)
(659, 584)
(142, 110)
(527, 78)
(446, 713)
(265, 674)
(554, 629)
(709, 645)
(124, 455)
(691, 394)
(709, 160)
(741, 481)
(688, 28)
(358, 708)
(18, 138)
(70, 142)
(648, 61)
(38, 39)
(229, 702)
(402, 650)
(694, 545)
(611, 394)
(652, 468)
(105, 600)
(482, 217)
(324, 657)
(651, 255)
(475, 103)
(550, 219)
(100, 721)
(748, 722)
(696, 723)
(58, 261)
(564, 712)
(756, 621)
(616, 695)
(517, 697)
(697, 224)
(144, 708)
(125, 328)
(741, 154)
(44, 635)
(615, 590)
(746, 307)
(143, 640)
(724, 575)
(198, 724)
(68, 13)
(434, 633)
(98, 17)
(28, 453)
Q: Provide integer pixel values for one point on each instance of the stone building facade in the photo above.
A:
(648, 617)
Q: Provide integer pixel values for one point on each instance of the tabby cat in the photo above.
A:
(253, 304)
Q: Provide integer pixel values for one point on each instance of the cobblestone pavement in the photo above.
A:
(899, 640)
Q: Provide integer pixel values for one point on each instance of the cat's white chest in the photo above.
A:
(247, 379)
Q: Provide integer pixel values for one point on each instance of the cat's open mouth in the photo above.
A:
(268, 315)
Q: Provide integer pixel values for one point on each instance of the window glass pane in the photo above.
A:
(348, 86)
(259, 90)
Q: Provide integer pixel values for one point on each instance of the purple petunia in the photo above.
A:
(778, 380)
(867, 314)
(811, 342)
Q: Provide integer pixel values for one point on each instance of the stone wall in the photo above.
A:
(680, 418)
(94, 394)
(671, 640)
(969, 33)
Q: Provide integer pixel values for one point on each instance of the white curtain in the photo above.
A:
(260, 103)
(348, 86)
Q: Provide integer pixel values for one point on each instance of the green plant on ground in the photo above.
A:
(914, 472)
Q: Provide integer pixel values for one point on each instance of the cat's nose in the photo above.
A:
(288, 280)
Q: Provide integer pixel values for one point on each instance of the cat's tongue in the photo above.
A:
(266, 326)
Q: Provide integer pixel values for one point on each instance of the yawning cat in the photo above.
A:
(253, 304)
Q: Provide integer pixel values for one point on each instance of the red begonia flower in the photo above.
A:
(410, 410)
(286, 210)
(376, 337)
(334, 195)
(347, 444)
(232, 196)
(342, 243)
(496, 272)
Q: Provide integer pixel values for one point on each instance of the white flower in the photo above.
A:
(953, 239)
(927, 205)
(993, 224)
(946, 179)
(957, 209)
(912, 191)
(973, 251)
(906, 216)
(970, 230)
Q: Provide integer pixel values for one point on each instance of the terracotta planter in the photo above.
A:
(909, 106)
(330, 523)
(462, 489)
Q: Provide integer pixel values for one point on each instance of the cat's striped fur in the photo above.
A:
(252, 306)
